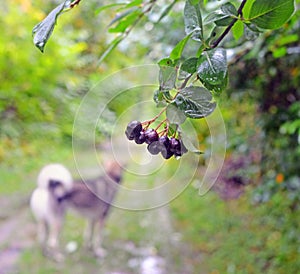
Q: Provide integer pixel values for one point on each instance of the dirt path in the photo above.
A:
(16, 232)
(157, 253)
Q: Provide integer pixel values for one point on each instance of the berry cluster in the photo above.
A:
(167, 146)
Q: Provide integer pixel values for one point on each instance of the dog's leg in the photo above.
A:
(43, 235)
(53, 241)
(88, 234)
(97, 240)
(42, 231)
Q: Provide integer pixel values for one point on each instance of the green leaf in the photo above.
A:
(238, 30)
(252, 27)
(214, 35)
(126, 22)
(251, 31)
(42, 31)
(190, 65)
(110, 48)
(189, 144)
(167, 74)
(161, 97)
(224, 22)
(195, 102)
(214, 16)
(222, 17)
(175, 115)
(247, 8)
(271, 14)
(102, 8)
(134, 3)
(193, 20)
(166, 11)
(212, 69)
(166, 62)
(229, 9)
(177, 50)
(122, 15)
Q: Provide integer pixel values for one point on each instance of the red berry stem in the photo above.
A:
(165, 130)
(148, 122)
(163, 121)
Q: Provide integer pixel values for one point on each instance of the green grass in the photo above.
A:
(238, 237)
(21, 162)
(216, 236)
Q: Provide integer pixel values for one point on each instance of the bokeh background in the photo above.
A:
(247, 223)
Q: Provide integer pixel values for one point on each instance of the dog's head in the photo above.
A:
(114, 170)
(56, 179)
(57, 189)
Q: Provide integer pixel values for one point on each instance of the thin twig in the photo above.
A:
(185, 82)
(163, 121)
(226, 31)
(148, 122)
(74, 3)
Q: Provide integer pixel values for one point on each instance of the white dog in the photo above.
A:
(53, 182)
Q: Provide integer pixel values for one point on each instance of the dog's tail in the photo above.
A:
(55, 174)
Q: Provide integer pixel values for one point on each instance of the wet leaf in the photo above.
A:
(161, 97)
(190, 65)
(229, 9)
(222, 17)
(167, 74)
(212, 69)
(43, 30)
(214, 16)
(193, 20)
(175, 115)
(189, 144)
(224, 22)
(195, 102)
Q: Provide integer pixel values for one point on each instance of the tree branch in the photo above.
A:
(74, 3)
(226, 31)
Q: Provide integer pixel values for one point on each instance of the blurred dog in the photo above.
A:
(92, 199)
(54, 182)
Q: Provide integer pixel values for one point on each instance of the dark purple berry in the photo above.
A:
(165, 144)
(140, 139)
(154, 148)
(133, 129)
(166, 153)
(151, 135)
(164, 140)
(174, 145)
(180, 149)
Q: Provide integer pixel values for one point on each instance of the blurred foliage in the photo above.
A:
(273, 80)
(236, 236)
(40, 93)
(37, 92)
